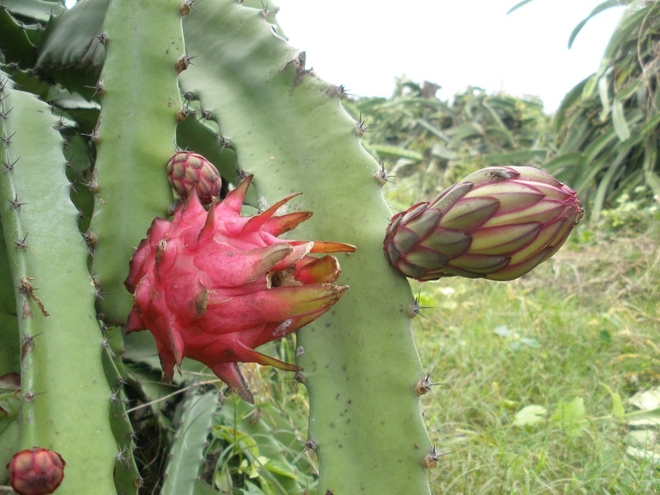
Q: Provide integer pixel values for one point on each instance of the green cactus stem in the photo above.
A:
(126, 475)
(9, 350)
(360, 363)
(63, 389)
(74, 39)
(134, 137)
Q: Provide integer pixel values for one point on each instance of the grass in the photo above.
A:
(574, 336)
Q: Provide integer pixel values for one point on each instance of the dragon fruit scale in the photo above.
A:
(213, 286)
(497, 223)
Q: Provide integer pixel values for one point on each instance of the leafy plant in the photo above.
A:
(607, 124)
(436, 143)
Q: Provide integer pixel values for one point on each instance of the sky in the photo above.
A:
(365, 44)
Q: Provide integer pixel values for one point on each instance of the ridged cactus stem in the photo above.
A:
(64, 393)
(360, 363)
(134, 137)
(126, 475)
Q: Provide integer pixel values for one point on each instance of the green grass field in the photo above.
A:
(534, 375)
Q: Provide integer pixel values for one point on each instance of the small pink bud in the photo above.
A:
(187, 171)
(36, 471)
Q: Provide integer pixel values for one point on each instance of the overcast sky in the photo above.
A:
(365, 44)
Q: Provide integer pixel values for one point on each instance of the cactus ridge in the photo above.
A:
(140, 127)
(36, 202)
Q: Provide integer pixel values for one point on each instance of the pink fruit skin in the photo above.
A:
(213, 286)
(36, 471)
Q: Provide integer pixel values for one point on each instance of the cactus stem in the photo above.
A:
(432, 458)
(310, 445)
(123, 457)
(27, 313)
(186, 7)
(20, 244)
(103, 326)
(102, 38)
(222, 141)
(206, 115)
(99, 88)
(114, 397)
(93, 184)
(59, 125)
(90, 238)
(382, 175)
(9, 166)
(15, 203)
(361, 126)
(424, 385)
(27, 344)
(27, 289)
(267, 13)
(93, 136)
(414, 309)
(6, 140)
(3, 115)
(299, 63)
(300, 378)
(183, 112)
(182, 63)
(340, 91)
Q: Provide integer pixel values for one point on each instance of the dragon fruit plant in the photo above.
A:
(97, 103)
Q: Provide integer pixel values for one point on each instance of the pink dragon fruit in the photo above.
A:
(497, 223)
(36, 471)
(187, 171)
(213, 286)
